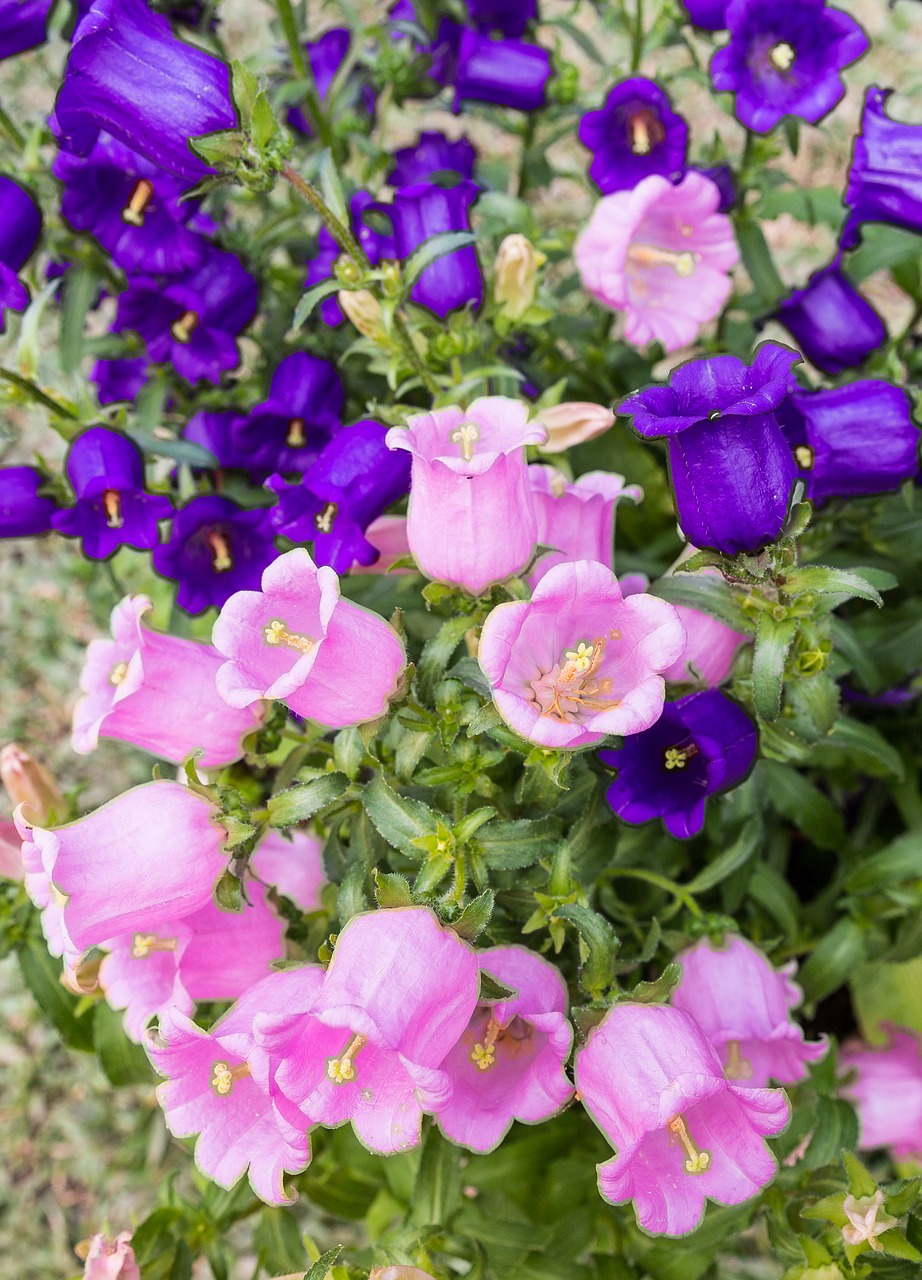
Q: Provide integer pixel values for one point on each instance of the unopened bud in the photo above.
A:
(28, 782)
(398, 1273)
(573, 423)
(515, 275)
(347, 271)
(364, 310)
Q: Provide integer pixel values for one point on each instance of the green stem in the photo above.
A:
(638, 39)
(36, 393)
(413, 358)
(313, 107)
(661, 882)
(528, 138)
(8, 127)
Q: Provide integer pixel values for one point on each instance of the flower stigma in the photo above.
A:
(738, 1067)
(804, 456)
(118, 673)
(678, 757)
(277, 633)
(648, 255)
(324, 519)
(224, 1077)
(466, 436)
(698, 1161)
(221, 558)
(183, 328)
(342, 1070)
(644, 130)
(142, 193)
(782, 55)
(112, 505)
(142, 944)
(294, 437)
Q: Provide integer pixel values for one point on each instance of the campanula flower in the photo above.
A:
(20, 228)
(634, 134)
(111, 1259)
(119, 380)
(297, 641)
(515, 276)
(378, 245)
(709, 651)
(29, 783)
(506, 73)
(579, 661)
(157, 692)
(325, 56)
(388, 536)
(23, 25)
(722, 176)
(24, 512)
(885, 180)
(469, 465)
(684, 1134)
(730, 465)
(886, 1088)
(576, 517)
(508, 17)
(573, 422)
(287, 431)
(831, 323)
(219, 432)
(660, 253)
(710, 15)
(429, 156)
(291, 862)
(422, 211)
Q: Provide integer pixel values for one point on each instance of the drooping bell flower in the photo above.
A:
(579, 661)
(112, 508)
(192, 321)
(431, 156)
(20, 228)
(28, 782)
(296, 640)
(422, 211)
(885, 180)
(107, 1259)
(700, 745)
(468, 465)
(661, 254)
(215, 548)
(11, 864)
(24, 512)
(831, 323)
(684, 1134)
(743, 1005)
(368, 1045)
(709, 651)
(377, 243)
(287, 431)
(437, 53)
(355, 479)
(785, 59)
(129, 75)
(147, 857)
(572, 423)
(23, 25)
(506, 73)
(886, 1089)
(219, 432)
(157, 692)
(722, 176)
(119, 380)
(853, 440)
(710, 15)
(508, 17)
(208, 955)
(634, 134)
(730, 465)
(509, 1063)
(292, 863)
(325, 56)
(388, 536)
(576, 517)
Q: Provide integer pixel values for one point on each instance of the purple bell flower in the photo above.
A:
(507, 73)
(710, 15)
(430, 155)
(885, 180)
(129, 75)
(304, 410)
(700, 745)
(785, 59)
(23, 512)
(325, 57)
(425, 210)
(216, 431)
(440, 52)
(192, 321)
(23, 25)
(832, 324)
(20, 228)
(355, 479)
(731, 467)
(852, 440)
(722, 177)
(633, 134)
(215, 548)
(120, 380)
(509, 17)
(377, 246)
(112, 507)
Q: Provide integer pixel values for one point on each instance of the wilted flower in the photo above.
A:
(424, 210)
(515, 275)
(867, 1220)
(30, 784)
(832, 324)
(291, 862)
(508, 73)
(576, 517)
(107, 1259)
(287, 431)
(431, 155)
(885, 180)
(20, 228)
(634, 134)
(887, 1091)
(24, 512)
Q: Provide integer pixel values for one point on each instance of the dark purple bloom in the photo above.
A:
(215, 549)
(23, 512)
(430, 155)
(23, 25)
(129, 75)
(633, 134)
(700, 745)
(355, 479)
(20, 228)
(785, 59)
(325, 57)
(896, 697)
(378, 245)
(832, 324)
(509, 17)
(304, 409)
(440, 52)
(216, 431)
(722, 177)
(731, 467)
(192, 321)
(119, 380)
(710, 15)
(425, 210)
(885, 180)
(852, 440)
(508, 73)
(112, 508)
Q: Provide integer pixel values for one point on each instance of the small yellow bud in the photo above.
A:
(364, 310)
(515, 275)
(30, 783)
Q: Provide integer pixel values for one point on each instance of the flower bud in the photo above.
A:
(515, 275)
(573, 423)
(398, 1273)
(106, 1259)
(364, 310)
(28, 782)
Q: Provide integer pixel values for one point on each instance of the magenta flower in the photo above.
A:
(578, 661)
(509, 1063)
(107, 1259)
(291, 862)
(887, 1091)
(743, 1005)
(157, 692)
(652, 1082)
(468, 466)
(367, 1043)
(660, 253)
(295, 640)
(711, 645)
(577, 517)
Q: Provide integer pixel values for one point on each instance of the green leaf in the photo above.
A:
(895, 1244)
(437, 654)
(399, 819)
(264, 125)
(900, 861)
(860, 1182)
(473, 822)
(312, 299)
(492, 991)
(758, 260)
(484, 720)
(187, 451)
(708, 595)
(321, 1268)
(300, 803)
(433, 872)
(599, 946)
(508, 846)
(431, 250)
(123, 1061)
(852, 742)
(835, 958)
(331, 187)
(392, 890)
(219, 150)
(278, 1243)
(351, 899)
(228, 892)
(82, 288)
(42, 975)
(821, 580)
(773, 642)
(900, 1202)
(660, 989)
(797, 799)
(437, 1189)
(475, 917)
(244, 91)
(735, 856)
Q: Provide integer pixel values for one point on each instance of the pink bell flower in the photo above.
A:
(509, 1063)
(388, 536)
(572, 423)
(157, 692)
(366, 1044)
(887, 1092)
(576, 516)
(107, 1259)
(471, 521)
(578, 661)
(742, 1003)
(146, 858)
(297, 641)
(29, 783)
(209, 955)
(291, 862)
(652, 1082)
(709, 650)
(660, 253)
(11, 864)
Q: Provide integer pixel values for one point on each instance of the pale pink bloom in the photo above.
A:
(572, 423)
(509, 1063)
(111, 1259)
(867, 1220)
(887, 1092)
(29, 783)
(576, 516)
(297, 641)
(398, 1273)
(208, 955)
(471, 521)
(147, 857)
(709, 651)
(366, 1044)
(743, 1005)
(292, 863)
(157, 692)
(11, 865)
(660, 253)
(388, 536)
(578, 661)
(654, 1085)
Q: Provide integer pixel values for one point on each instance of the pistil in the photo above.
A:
(118, 673)
(112, 505)
(342, 1070)
(648, 255)
(782, 56)
(324, 519)
(277, 633)
(142, 193)
(698, 1161)
(466, 436)
(803, 456)
(295, 438)
(221, 558)
(183, 328)
(142, 944)
(484, 1051)
(644, 131)
(738, 1067)
(224, 1077)
(678, 757)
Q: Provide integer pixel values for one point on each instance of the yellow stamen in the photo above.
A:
(678, 757)
(738, 1067)
(648, 255)
(466, 436)
(224, 1077)
(698, 1161)
(803, 456)
(640, 137)
(183, 328)
(112, 505)
(580, 657)
(484, 1051)
(324, 519)
(342, 1070)
(118, 673)
(782, 56)
(142, 944)
(295, 438)
(277, 633)
(221, 558)
(138, 202)
(558, 484)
